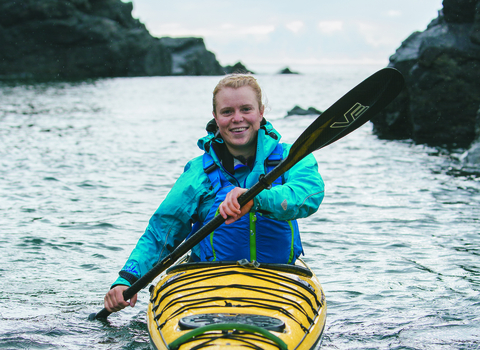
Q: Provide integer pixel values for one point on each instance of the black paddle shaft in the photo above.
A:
(347, 114)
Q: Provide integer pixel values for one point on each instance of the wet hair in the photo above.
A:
(236, 81)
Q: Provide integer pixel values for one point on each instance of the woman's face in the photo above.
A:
(238, 117)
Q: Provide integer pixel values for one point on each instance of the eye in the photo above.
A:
(226, 111)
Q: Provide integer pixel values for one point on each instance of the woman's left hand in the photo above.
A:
(230, 208)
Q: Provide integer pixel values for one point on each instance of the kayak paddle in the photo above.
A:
(347, 114)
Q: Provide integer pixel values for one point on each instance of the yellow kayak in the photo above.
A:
(237, 305)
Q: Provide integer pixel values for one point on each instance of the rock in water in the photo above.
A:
(286, 70)
(442, 71)
(238, 68)
(297, 110)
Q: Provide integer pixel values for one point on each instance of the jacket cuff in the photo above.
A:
(257, 205)
(130, 277)
(125, 278)
(121, 281)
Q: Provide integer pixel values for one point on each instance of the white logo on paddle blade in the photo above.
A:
(353, 113)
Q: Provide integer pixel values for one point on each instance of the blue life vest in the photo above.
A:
(253, 237)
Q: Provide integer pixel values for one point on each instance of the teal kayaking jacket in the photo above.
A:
(192, 197)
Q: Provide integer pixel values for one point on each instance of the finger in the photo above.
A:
(247, 207)
(111, 303)
(227, 209)
(233, 197)
(115, 299)
(231, 220)
(231, 210)
(107, 303)
(235, 217)
(119, 298)
(133, 301)
(222, 212)
(232, 203)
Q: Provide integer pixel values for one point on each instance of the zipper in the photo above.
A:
(253, 237)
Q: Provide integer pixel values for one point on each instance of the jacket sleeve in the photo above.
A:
(169, 225)
(300, 195)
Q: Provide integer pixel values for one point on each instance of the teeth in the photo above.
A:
(239, 129)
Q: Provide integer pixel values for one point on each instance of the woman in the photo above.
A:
(240, 146)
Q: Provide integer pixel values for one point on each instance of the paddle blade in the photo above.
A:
(349, 113)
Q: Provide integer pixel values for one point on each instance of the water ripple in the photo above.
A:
(84, 166)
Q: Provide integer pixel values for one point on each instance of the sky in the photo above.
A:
(295, 33)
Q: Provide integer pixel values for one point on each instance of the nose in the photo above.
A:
(237, 116)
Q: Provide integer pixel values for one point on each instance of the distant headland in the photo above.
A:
(78, 39)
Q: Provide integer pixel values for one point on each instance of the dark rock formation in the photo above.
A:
(237, 68)
(78, 39)
(286, 70)
(190, 57)
(300, 111)
(442, 72)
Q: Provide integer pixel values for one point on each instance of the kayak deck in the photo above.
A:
(226, 305)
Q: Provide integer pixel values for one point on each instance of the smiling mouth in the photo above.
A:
(239, 129)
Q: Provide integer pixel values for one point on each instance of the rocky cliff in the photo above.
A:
(442, 71)
(49, 39)
(190, 57)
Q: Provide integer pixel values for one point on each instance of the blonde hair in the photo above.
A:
(236, 81)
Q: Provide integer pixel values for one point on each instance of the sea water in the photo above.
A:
(84, 165)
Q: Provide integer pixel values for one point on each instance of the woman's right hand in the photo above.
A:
(230, 209)
(114, 301)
